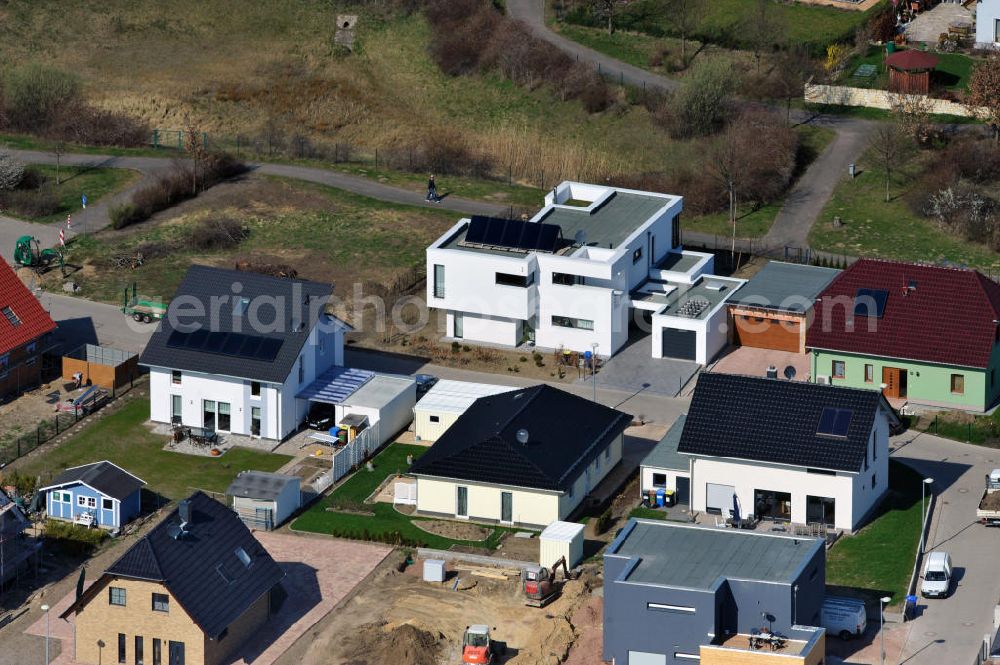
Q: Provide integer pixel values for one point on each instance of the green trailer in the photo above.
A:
(142, 308)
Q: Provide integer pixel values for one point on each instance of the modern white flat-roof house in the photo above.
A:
(987, 23)
(575, 274)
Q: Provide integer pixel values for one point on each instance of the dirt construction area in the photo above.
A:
(395, 617)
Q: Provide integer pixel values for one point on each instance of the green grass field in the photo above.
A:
(387, 524)
(890, 230)
(75, 181)
(952, 72)
(123, 439)
(878, 559)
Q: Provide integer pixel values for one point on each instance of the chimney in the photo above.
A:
(522, 437)
(184, 512)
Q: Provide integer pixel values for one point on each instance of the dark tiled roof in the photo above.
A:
(948, 318)
(772, 420)
(105, 477)
(201, 284)
(34, 320)
(565, 434)
(201, 569)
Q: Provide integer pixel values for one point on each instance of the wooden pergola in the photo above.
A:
(910, 71)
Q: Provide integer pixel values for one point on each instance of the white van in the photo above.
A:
(937, 575)
(844, 617)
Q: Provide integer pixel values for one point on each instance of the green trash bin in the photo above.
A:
(890, 48)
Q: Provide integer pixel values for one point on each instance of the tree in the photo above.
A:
(762, 29)
(701, 104)
(59, 149)
(606, 9)
(984, 93)
(889, 144)
(685, 15)
(34, 94)
(786, 81)
(194, 146)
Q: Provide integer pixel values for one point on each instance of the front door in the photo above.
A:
(894, 379)
(683, 490)
(176, 653)
(506, 507)
(254, 421)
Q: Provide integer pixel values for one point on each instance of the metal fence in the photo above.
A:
(47, 429)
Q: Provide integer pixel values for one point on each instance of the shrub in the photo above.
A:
(219, 234)
(73, 538)
(123, 215)
(700, 106)
(81, 123)
(34, 94)
(11, 172)
(603, 522)
(39, 202)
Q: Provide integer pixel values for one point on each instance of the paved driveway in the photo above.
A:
(634, 370)
(929, 25)
(949, 630)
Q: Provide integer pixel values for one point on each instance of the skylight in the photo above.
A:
(240, 306)
(870, 302)
(11, 317)
(242, 555)
(834, 422)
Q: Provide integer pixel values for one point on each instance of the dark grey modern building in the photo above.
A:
(670, 588)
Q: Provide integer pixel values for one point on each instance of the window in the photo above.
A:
(607, 453)
(569, 322)
(116, 596)
(438, 281)
(31, 348)
(224, 419)
(958, 384)
(662, 607)
(86, 501)
(122, 656)
(569, 280)
(157, 651)
(208, 414)
(176, 409)
(255, 388)
(108, 504)
(680, 655)
(138, 650)
(240, 306)
(254, 421)
(161, 602)
(869, 373)
(175, 377)
(835, 422)
(597, 463)
(176, 653)
(839, 369)
(242, 555)
(659, 480)
(11, 317)
(435, 419)
(506, 279)
(462, 502)
(572, 490)
(636, 255)
(874, 479)
(302, 370)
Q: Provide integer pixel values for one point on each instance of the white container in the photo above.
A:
(561, 539)
(434, 570)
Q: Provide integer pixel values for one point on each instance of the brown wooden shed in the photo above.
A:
(101, 365)
(910, 71)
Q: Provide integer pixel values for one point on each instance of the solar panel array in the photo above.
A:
(238, 345)
(834, 422)
(870, 302)
(513, 234)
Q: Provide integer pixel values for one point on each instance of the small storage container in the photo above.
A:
(434, 570)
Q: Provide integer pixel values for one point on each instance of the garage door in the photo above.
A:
(765, 333)
(643, 658)
(719, 497)
(679, 343)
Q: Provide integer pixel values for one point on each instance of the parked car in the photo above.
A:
(844, 617)
(321, 416)
(937, 576)
(424, 383)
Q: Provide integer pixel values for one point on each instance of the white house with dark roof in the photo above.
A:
(786, 450)
(236, 349)
(576, 273)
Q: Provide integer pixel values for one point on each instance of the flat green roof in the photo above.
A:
(695, 557)
(609, 224)
(664, 455)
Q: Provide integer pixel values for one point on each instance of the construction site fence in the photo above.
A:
(49, 428)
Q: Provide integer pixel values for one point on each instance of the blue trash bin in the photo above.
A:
(910, 608)
(660, 497)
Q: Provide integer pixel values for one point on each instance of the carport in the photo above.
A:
(664, 468)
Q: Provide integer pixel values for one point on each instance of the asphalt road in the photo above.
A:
(948, 630)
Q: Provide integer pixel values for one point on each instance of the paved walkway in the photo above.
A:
(930, 24)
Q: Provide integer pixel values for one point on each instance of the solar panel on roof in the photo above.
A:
(870, 302)
(215, 341)
(233, 344)
(250, 345)
(176, 339)
(476, 232)
(834, 422)
(269, 348)
(529, 235)
(197, 339)
(494, 232)
(548, 238)
(512, 235)
(225, 343)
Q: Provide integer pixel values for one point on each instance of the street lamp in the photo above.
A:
(593, 367)
(882, 602)
(924, 487)
(45, 608)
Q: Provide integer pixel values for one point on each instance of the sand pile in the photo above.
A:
(376, 644)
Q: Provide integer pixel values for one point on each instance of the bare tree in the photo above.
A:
(685, 15)
(913, 113)
(194, 146)
(59, 149)
(786, 80)
(606, 9)
(889, 143)
(984, 93)
(763, 28)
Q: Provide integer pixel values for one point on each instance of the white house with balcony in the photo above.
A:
(574, 275)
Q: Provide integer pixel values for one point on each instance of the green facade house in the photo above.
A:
(922, 334)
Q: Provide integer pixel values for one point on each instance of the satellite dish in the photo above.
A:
(790, 372)
(522, 436)
(580, 238)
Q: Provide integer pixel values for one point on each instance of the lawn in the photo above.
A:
(644, 513)
(952, 72)
(74, 181)
(721, 22)
(387, 524)
(962, 426)
(874, 228)
(756, 222)
(878, 560)
(122, 438)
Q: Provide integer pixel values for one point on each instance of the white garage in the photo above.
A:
(445, 402)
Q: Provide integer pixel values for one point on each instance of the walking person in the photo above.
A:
(432, 195)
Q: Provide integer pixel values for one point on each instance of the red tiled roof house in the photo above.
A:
(25, 334)
(923, 334)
